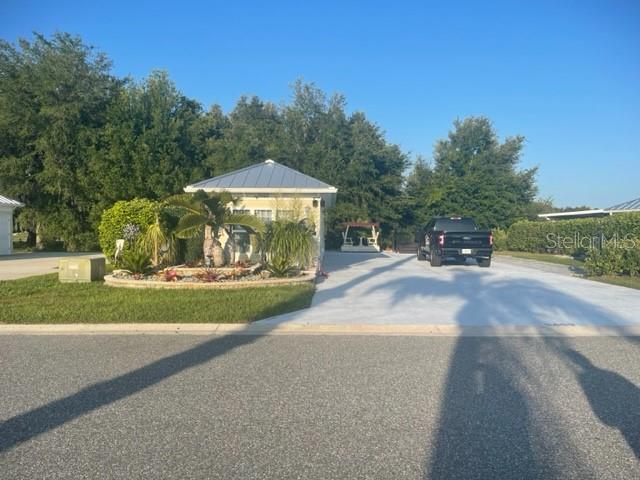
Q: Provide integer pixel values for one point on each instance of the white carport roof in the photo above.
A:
(630, 206)
(9, 202)
(597, 212)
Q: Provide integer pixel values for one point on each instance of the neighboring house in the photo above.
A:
(7, 206)
(626, 207)
(269, 191)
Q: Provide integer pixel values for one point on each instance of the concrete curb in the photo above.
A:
(326, 329)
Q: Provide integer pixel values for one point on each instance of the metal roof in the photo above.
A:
(631, 206)
(267, 175)
(8, 202)
(596, 212)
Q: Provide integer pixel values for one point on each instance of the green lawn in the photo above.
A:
(544, 257)
(43, 299)
(630, 282)
(623, 281)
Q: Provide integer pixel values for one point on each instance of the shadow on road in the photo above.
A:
(486, 429)
(613, 398)
(30, 424)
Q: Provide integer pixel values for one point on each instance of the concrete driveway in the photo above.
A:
(398, 289)
(29, 264)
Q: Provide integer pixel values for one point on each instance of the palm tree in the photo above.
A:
(158, 242)
(211, 212)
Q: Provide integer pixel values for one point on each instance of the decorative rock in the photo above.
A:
(192, 282)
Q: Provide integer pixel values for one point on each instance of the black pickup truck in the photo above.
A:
(456, 238)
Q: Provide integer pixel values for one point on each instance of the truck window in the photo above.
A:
(455, 225)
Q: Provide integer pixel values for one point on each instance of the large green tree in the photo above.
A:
(476, 175)
(74, 140)
(347, 151)
(54, 94)
(152, 144)
(251, 133)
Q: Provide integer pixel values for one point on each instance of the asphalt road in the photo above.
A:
(319, 407)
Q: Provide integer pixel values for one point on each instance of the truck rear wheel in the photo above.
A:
(485, 262)
(436, 260)
(421, 256)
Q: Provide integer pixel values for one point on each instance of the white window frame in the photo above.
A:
(285, 215)
(264, 219)
(240, 211)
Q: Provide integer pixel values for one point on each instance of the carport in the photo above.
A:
(7, 206)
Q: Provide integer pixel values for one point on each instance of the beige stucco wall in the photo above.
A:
(300, 205)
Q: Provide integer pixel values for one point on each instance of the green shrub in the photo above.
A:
(632, 260)
(289, 241)
(571, 237)
(499, 239)
(280, 267)
(607, 261)
(622, 258)
(136, 262)
(123, 217)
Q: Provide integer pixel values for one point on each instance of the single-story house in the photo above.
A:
(626, 207)
(269, 191)
(7, 206)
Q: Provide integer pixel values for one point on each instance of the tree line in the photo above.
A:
(75, 138)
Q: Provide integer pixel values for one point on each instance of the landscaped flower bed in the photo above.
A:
(201, 277)
(286, 247)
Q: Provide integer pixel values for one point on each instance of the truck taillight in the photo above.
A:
(441, 239)
(491, 239)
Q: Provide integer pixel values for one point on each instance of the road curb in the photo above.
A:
(259, 328)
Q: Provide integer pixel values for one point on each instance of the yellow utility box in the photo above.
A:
(81, 269)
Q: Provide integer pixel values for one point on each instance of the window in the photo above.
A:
(242, 242)
(264, 215)
(239, 211)
(455, 224)
(284, 214)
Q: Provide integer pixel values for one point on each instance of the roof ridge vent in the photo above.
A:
(269, 161)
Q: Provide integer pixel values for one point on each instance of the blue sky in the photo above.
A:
(565, 74)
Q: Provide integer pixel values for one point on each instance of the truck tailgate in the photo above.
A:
(467, 240)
